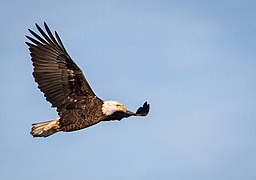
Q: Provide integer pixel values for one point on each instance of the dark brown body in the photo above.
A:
(81, 114)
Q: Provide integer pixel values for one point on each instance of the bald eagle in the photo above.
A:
(66, 88)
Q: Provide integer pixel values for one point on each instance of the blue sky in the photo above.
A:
(193, 61)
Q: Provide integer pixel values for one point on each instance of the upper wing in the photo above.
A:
(142, 111)
(57, 75)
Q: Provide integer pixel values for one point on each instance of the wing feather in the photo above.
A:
(57, 75)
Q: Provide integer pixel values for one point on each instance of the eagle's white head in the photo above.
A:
(109, 107)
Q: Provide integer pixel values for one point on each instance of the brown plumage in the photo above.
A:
(66, 88)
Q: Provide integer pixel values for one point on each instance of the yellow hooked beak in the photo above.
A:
(121, 108)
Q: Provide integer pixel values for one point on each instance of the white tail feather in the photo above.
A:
(44, 129)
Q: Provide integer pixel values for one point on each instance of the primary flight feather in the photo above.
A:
(66, 88)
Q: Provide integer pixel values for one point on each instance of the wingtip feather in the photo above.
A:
(144, 110)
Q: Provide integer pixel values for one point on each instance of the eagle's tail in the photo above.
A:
(45, 129)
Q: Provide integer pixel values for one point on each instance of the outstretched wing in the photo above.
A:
(142, 111)
(57, 75)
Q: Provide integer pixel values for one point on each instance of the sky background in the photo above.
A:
(193, 61)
